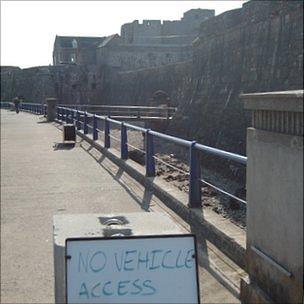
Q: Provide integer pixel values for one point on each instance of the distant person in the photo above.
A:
(16, 102)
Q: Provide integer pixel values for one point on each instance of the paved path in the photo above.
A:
(39, 180)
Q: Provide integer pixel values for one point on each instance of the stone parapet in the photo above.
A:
(280, 112)
(274, 246)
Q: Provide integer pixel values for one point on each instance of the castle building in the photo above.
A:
(150, 44)
(169, 32)
(75, 50)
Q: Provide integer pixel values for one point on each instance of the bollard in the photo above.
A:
(150, 163)
(195, 193)
(51, 108)
(123, 142)
(85, 123)
(95, 132)
(107, 142)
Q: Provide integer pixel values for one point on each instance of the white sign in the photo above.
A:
(148, 269)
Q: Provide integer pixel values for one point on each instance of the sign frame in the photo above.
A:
(66, 257)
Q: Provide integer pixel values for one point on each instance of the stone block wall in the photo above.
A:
(133, 57)
(68, 83)
(254, 49)
(137, 87)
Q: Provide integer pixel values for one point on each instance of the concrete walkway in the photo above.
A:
(40, 179)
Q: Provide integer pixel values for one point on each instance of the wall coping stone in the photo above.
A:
(286, 101)
(280, 112)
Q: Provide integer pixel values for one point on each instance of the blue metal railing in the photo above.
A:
(81, 120)
(35, 108)
(5, 105)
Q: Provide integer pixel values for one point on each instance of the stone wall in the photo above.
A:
(33, 83)
(254, 49)
(68, 83)
(137, 87)
(133, 57)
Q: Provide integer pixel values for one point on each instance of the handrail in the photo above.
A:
(229, 155)
(36, 108)
(176, 140)
(80, 119)
(123, 111)
(115, 106)
(65, 114)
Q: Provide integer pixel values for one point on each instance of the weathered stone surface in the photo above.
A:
(137, 87)
(68, 83)
(254, 49)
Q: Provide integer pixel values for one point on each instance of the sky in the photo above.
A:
(28, 28)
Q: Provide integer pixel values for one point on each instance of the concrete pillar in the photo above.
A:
(51, 108)
(274, 253)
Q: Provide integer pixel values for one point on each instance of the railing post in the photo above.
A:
(195, 193)
(78, 126)
(85, 123)
(64, 114)
(95, 132)
(150, 163)
(123, 142)
(72, 117)
(107, 142)
(68, 116)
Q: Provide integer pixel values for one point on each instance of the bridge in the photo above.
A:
(41, 176)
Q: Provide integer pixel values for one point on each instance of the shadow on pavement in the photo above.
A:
(203, 250)
(144, 202)
(63, 146)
